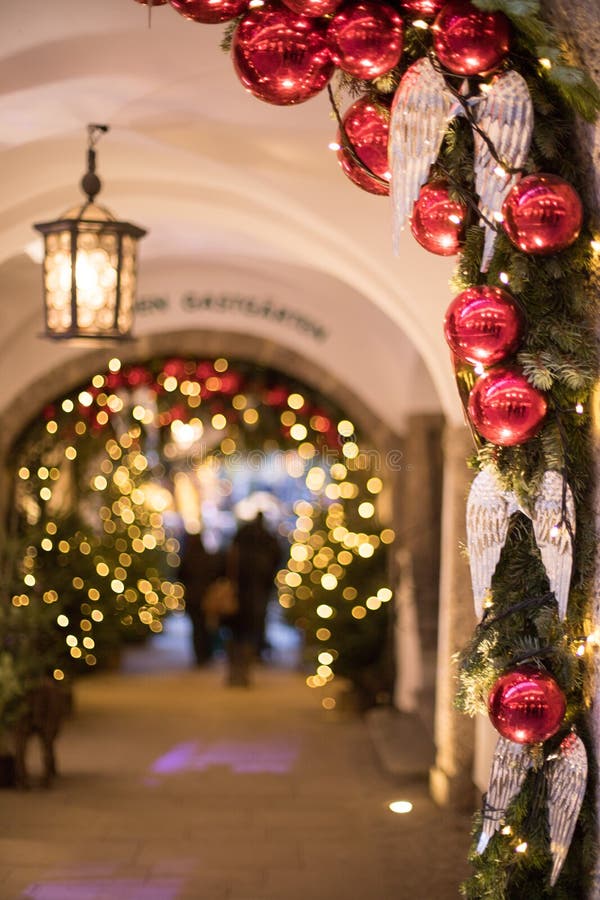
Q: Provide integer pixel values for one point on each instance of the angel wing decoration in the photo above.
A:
(505, 115)
(566, 776)
(421, 110)
(554, 528)
(509, 767)
(488, 512)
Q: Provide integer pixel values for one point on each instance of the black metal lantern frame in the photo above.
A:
(90, 266)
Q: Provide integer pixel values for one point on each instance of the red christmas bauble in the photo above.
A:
(425, 8)
(468, 41)
(314, 8)
(526, 705)
(367, 125)
(542, 214)
(483, 325)
(505, 408)
(281, 57)
(366, 39)
(437, 220)
(209, 12)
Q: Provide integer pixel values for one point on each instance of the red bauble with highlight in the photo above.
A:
(367, 125)
(314, 8)
(543, 214)
(424, 8)
(526, 705)
(437, 222)
(483, 325)
(281, 57)
(209, 12)
(366, 39)
(468, 41)
(505, 408)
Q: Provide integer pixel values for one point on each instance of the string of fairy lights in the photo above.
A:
(111, 452)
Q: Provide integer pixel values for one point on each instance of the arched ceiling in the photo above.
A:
(215, 175)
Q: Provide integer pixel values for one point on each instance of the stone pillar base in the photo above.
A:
(456, 792)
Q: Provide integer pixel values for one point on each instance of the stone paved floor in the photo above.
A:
(174, 787)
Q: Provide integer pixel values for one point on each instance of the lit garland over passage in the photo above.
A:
(468, 110)
(92, 557)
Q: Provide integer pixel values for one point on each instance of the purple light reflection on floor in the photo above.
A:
(105, 889)
(242, 757)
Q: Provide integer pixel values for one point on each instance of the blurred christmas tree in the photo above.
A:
(335, 585)
(90, 560)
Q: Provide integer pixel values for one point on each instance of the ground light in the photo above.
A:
(401, 807)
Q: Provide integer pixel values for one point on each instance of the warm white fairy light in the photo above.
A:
(521, 848)
(503, 276)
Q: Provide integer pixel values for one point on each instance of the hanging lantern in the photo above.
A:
(89, 266)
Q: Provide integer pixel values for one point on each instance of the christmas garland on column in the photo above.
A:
(465, 113)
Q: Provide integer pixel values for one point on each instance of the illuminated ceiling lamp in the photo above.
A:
(89, 265)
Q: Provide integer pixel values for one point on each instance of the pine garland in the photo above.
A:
(560, 357)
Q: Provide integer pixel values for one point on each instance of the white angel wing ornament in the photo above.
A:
(422, 107)
(505, 115)
(566, 776)
(488, 512)
(554, 529)
(509, 768)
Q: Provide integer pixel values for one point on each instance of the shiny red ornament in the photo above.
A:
(468, 41)
(367, 126)
(281, 57)
(367, 39)
(425, 8)
(209, 12)
(505, 408)
(526, 705)
(542, 214)
(314, 8)
(437, 221)
(483, 325)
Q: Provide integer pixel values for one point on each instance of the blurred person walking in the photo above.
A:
(253, 560)
(198, 570)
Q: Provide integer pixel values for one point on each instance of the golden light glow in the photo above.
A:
(295, 401)
(324, 611)
(329, 582)
(345, 428)
(374, 485)
(366, 510)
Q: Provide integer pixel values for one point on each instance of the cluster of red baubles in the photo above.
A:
(484, 325)
(286, 52)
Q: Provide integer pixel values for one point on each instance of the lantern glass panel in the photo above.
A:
(57, 281)
(128, 282)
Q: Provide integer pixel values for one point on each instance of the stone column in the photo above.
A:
(417, 506)
(451, 779)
